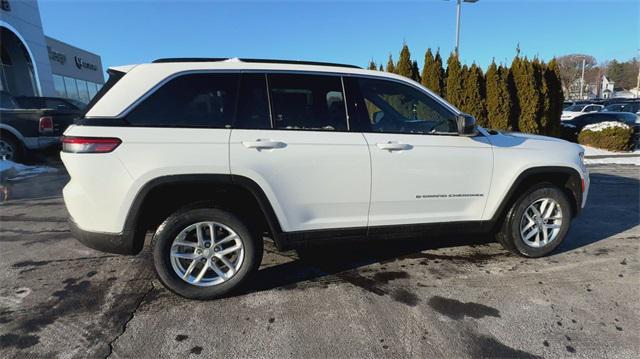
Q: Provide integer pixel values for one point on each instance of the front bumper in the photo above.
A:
(119, 243)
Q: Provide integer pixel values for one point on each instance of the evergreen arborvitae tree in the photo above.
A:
(391, 67)
(455, 81)
(372, 65)
(427, 67)
(509, 94)
(555, 97)
(474, 94)
(537, 71)
(498, 98)
(415, 71)
(438, 75)
(545, 97)
(404, 66)
(528, 90)
(381, 68)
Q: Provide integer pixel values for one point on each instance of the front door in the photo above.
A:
(422, 170)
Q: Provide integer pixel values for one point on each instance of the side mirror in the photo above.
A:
(377, 116)
(467, 125)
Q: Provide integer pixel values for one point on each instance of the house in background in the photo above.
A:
(607, 88)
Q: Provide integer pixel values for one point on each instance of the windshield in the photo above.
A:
(621, 107)
(576, 108)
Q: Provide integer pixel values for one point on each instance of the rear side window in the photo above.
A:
(194, 100)
(307, 102)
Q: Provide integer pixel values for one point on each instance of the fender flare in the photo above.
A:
(133, 215)
(574, 184)
(13, 131)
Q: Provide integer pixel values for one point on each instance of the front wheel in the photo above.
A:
(205, 253)
(537, 222)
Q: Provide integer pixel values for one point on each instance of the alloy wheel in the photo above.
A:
(6, 151)
(206, 254)
(541, 222)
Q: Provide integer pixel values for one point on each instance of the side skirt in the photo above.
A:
(289, 240)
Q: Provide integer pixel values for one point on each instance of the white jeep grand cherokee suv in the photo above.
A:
(212, 155)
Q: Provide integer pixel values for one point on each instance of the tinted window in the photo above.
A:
(310, 102)
(396, 108)
(576, 108)
(58, 84)
(195, 100)
(59, 104)
(253, 104)
(6, 101)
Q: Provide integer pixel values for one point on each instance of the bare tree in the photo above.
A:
(571, 70)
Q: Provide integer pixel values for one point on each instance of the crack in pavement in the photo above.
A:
(126, 323)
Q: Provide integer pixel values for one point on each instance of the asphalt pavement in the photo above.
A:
(428, 298)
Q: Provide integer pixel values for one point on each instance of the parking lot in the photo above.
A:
(433, 297)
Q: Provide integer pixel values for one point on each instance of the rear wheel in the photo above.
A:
(537, 222)
(205, 253)
(10, 148)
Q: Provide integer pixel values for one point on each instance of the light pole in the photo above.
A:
(458, 7)
(638, 80)
(582, 77)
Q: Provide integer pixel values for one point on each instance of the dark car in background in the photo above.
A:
(627, 106)
(28, 124)
(571, 128)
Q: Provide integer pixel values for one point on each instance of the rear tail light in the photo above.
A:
(46, 124)
(89, 144)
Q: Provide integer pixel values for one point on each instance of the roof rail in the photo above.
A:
(263, 61)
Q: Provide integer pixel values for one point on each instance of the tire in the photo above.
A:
(535, 225)
(212, 284)
(10, 148)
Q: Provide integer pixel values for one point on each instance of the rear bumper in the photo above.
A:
(36, 143)
(119, 243)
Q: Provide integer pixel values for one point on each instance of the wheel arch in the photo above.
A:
(566, 178)
(12, 131)
(162, 196)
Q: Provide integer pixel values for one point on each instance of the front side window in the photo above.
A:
(307, 102)
(194, 100)
(392, 107)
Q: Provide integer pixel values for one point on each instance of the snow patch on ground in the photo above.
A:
(620, 158)
(12, 171)
(628, 160)
(592, 151)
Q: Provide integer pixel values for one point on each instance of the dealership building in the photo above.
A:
(33, 64)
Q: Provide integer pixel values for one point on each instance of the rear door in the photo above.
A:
(291, 137)
(422, 170)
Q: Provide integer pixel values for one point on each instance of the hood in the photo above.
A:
(527, 141)
(532, 136)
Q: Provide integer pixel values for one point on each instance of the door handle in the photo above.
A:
(394, 146)
(264, 144)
